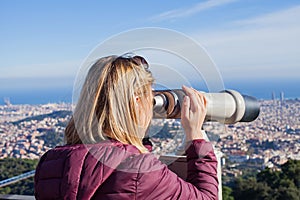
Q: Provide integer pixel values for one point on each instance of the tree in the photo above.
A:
(250, 189)
(227, 193)
(269, 177)
(291, 170)
(288, 190)
(270, 185)
(10, 167)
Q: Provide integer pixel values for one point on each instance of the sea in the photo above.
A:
(260, 89)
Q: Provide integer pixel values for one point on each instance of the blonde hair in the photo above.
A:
(106, 106)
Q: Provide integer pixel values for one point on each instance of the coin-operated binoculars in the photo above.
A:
(227, 107)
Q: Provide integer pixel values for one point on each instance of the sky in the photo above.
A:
(44, 43)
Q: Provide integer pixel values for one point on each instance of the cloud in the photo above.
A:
(179, 13)
(59, 69)
(263, 46)
(287, 17)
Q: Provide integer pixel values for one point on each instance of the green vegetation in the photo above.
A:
(268, 184)
(227, 193)
(10, 167)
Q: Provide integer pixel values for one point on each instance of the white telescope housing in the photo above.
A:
(228, 106)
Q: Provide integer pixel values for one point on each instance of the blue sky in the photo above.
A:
(43, 43)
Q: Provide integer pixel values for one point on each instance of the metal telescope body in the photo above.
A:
(228, 106)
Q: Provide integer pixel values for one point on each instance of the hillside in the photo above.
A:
(55, 114)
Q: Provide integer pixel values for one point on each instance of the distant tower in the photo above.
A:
(281, 96)
(7, 101)
(273, 96)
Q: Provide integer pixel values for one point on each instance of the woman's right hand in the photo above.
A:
(193, 113)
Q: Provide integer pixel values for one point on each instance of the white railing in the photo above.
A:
(16, 178)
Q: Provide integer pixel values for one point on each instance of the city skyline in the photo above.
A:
(44, 44)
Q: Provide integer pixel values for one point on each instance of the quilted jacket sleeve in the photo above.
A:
(202, 182)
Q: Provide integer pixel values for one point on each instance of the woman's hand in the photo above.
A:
(193, 113)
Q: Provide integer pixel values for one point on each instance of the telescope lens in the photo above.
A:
(252, 109)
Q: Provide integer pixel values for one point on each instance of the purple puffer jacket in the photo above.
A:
(112, 170)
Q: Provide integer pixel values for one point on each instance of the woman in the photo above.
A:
(106, 156)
